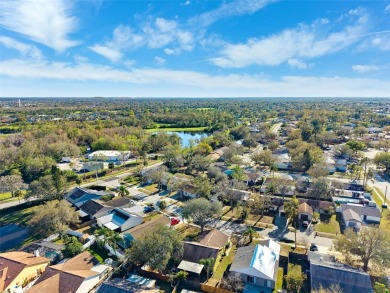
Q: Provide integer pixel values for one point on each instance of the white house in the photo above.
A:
(356, 215)
(189, 191)
(119, 220)
(258, 266)
(109, 156)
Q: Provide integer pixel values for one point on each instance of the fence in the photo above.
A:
(213, 289)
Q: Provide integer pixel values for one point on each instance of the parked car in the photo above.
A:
(313, 247)
(148, 209)
(305, 224)
(174, 221)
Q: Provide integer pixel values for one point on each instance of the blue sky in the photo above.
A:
(189, 48)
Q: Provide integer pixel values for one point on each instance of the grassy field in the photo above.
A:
(385, 222)
(5, 195)
(99, 253)
(328, 224)
(226, 261)
(279, 281)
(17, 217)
(177, 129)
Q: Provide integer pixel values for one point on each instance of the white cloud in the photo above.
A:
(366, 68)
(186, 3)
(229, 9)
(80, 59)
(111, 54)
(189, 82)
(45, 22)
(159, 61)
(302, 42)
(152, 34)
(296, 63)
(24, 49)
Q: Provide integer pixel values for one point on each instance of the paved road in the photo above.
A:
(275, 128)
(15, 203)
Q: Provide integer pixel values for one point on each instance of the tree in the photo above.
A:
(370, 244)
(53, 217)
(227, 191)
(259, 203)
(273, 145)
(11, 183)
(79, 180)
(233, 282)
(202, 186)
(216, 175)
(72, 248)
(264, 158)
(379, 288)
(156, 248)
(208, 264)
(182, 275)
(110, 238)
(238, 173)
(201, 211)
(294, 279)
(162, 205)
(282, 186)
(199, 163)
(333, 288)
(356, 146)
(321, 189)
(250, 232)
(319, 170)
(42, 188)
(123, 191)
(173, 156)
(156, 175)
(383, 160)
(250, 142)
(292, 212)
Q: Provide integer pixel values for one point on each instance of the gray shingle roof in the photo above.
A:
(362, 210)
(351, 215)
(349, 279)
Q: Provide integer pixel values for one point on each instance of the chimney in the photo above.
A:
(36, 253)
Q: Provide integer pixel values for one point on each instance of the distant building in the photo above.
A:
(109, 156)
(78, 196)
(18, 269)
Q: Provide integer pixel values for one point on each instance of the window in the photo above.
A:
(269, 284)
(250, 279)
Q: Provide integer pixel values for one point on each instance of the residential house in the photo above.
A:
(320, 206)
(79, 274)
(119, 220)
(93, 209)
(305, 212)
(214, 238)
(141, 230)
(355, 215)
(18, 269)
(109, 156)
(326, 272)
(258, 266)
(189, 191)
(48, 249)
(79, 195)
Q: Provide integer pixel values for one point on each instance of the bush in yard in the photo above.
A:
(162, 205)
(73, 248)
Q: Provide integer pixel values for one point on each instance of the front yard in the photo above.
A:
(328, 224)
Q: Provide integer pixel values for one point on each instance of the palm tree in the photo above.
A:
(208, 263)
(113, 241)
(123, 191)
(273, 168)
(251, 233)
(291, 207)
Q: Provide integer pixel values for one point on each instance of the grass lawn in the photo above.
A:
(152, 188)
(187, 231)
(226, 261)
(279, 281)
(5, 195)
(385, 223)
(328, 224)
(99, 253)
(17, 217)
(285, 249)
(177, 129)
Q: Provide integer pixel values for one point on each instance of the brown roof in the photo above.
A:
(194, 252)
(215, 238)
(140, 230)
(118, 202)
(66, 277)
(305, 208)
(13, 263)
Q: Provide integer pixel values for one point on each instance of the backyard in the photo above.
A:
(329, 224)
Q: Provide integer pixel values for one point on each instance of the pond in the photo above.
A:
(188, 136)
(12, 236)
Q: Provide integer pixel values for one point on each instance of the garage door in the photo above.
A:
(304, 217)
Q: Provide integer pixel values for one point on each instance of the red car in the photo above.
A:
(175, 221)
